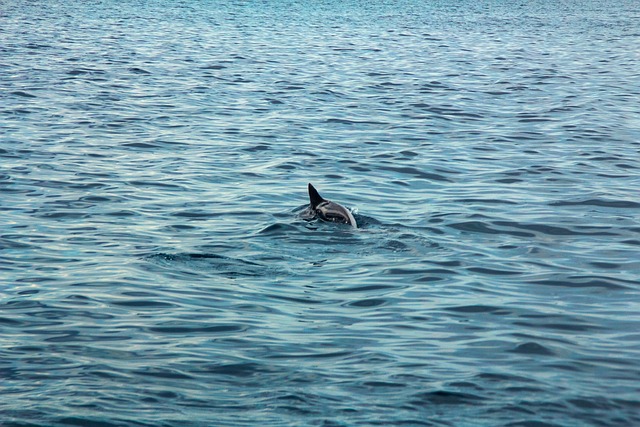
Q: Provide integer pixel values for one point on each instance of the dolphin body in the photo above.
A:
(328, 210)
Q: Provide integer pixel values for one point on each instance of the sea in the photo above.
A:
(157, 268)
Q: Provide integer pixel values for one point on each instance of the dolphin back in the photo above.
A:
(328, 210)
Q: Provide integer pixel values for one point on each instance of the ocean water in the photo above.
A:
(155, 268)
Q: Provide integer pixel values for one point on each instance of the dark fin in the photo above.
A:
(314, 197)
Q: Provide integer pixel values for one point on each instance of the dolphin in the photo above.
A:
(328, 210)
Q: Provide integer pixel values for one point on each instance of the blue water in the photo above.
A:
(156, 269)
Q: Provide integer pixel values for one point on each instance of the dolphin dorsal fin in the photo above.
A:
(314, 197)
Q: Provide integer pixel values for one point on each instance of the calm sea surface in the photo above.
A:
(155, 269)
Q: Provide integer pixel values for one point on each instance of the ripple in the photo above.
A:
(242, 370)
(278, 229)
(416, 173)
(618, 204)
(481, 227)
(23, 94)
(550, 229)
(476, 309)
(143, 304)
(371, 302)
(213, 263)
(192, 328)
(443, 397)
(494, 272)
(533, 348)
(585, 282)
(158, 266)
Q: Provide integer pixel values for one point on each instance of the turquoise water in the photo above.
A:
(156, 268)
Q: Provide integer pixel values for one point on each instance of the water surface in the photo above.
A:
(155, 268)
